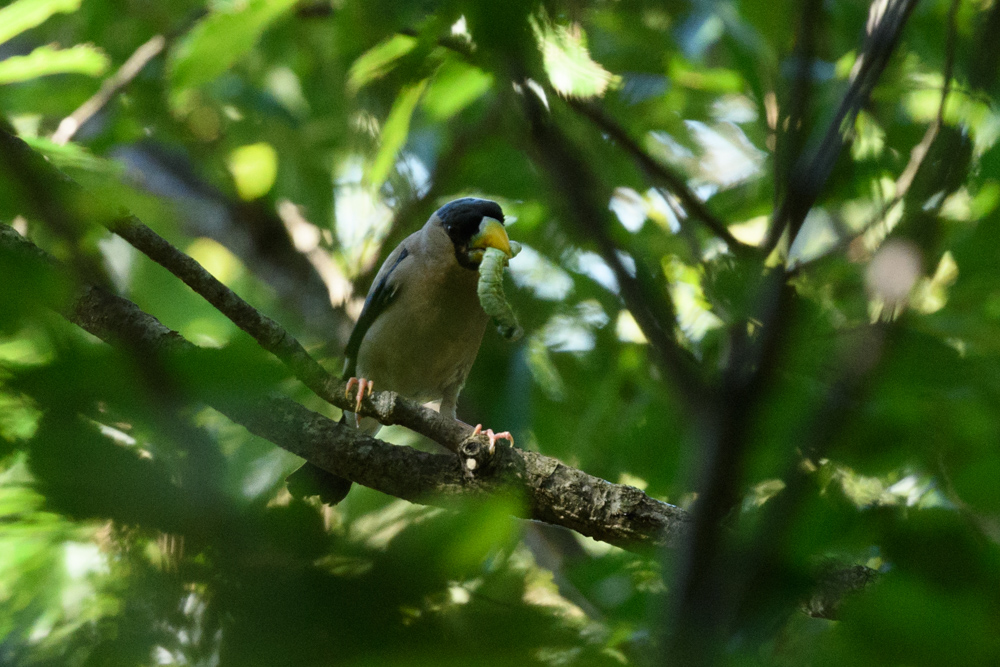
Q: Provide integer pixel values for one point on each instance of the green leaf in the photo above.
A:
(23, 15)
(571, 70)
(73, 157)
(46, 60)
(254, 169)
(394, 132)
(713, 80)
(378, 61)
(219, 40)
(455, 86)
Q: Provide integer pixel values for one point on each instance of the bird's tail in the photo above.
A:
(311, 480)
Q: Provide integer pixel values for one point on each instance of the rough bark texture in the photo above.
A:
(835, 583)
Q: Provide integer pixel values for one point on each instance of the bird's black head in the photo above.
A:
(462, 220)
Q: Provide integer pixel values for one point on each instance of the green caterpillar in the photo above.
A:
(490, 291)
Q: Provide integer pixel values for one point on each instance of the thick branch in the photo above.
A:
(553, 492)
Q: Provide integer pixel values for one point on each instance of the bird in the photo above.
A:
(421, 324)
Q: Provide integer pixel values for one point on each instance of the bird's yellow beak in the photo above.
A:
(491, 235)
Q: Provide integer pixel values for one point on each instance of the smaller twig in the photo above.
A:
(791, 122)
(949, 59)
(920, 151)
(884, 31)
(659, 173)
(917, 155)
(111, 87)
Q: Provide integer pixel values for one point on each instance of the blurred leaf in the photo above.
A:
(47, 60)
(379, 60)
(72, 156)
(23, 15)
(568, 64)
(219, 40)
(906, 621)
(394, 133)
(713, 80)
(30, 286)
(455, 86)
(254, 168)
(87, 476)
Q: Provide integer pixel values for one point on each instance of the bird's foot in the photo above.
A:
(365, 388)
(493, 436)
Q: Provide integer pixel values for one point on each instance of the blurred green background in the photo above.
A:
(287, 146)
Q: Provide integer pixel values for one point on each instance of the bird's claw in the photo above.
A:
(505, 435)
(365, 388)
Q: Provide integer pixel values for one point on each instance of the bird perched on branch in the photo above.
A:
(421, 325)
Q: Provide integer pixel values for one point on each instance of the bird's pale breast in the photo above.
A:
(434, 333)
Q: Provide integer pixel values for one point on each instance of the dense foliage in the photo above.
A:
(757, 282)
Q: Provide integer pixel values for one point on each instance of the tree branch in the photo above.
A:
(386, 407)
(886, 21)
(553, 492)
(250, 230)
(707, 593)
(109, 88)
(586, 207)
(917, 156)
(659, 173)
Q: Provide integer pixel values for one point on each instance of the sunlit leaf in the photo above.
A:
(869, 138)
(254, 169)
(455, 86)
(694, 313)
(395, 132)
(23, 15)
(216, 259)
(379, 60)
(716, 80)
(47, 60)
(567, 60)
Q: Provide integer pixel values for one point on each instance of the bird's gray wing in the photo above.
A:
(310, 480)
(379, 298)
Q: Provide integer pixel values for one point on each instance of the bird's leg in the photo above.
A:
(365, 388)
(493, 436)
